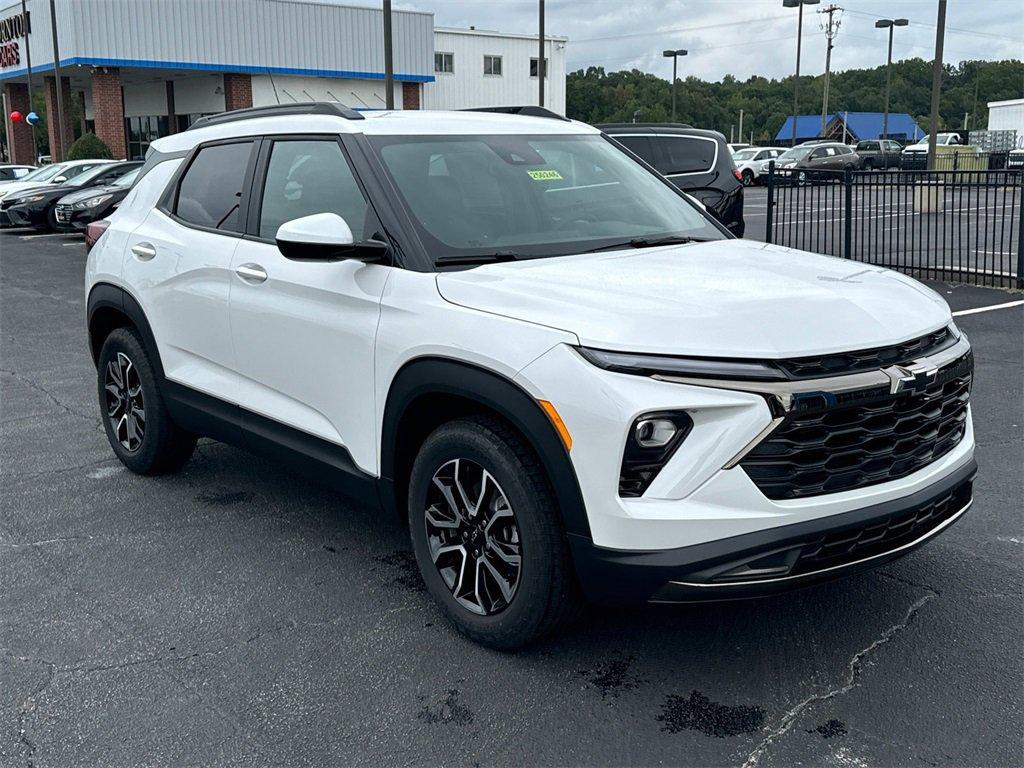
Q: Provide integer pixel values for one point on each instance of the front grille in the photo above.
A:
(880, 535)
(842, 363)
(836, 442)
(63, 213)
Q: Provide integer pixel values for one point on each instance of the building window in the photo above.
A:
(444, 62)
(492, 65)
(533, 67)
(140, 131)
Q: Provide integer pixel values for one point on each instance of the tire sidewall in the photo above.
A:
(475, 442)
(127, 342)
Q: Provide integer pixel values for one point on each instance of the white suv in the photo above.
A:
(567, 377)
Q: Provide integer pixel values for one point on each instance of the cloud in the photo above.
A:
(742, 37)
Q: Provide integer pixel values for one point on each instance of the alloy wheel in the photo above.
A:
(125, 407)
(473, 536)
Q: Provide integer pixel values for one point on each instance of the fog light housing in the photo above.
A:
(652, 440)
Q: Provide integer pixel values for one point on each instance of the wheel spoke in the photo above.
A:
(434, 518)
(470, 510)
(449, 497)
(507, 590)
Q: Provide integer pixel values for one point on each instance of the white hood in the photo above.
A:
(728, 298)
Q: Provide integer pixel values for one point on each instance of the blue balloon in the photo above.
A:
(31, 118)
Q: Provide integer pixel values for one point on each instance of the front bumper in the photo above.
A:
(777, 559)
(70, 219)
(24, 216)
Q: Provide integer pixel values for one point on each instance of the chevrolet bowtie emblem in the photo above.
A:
(914, 378)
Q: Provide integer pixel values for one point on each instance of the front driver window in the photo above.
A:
(308, 177)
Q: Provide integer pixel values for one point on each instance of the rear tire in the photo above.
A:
(466, 551)
(138, 426)
(748, 179)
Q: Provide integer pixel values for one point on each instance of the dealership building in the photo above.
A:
(144, 69)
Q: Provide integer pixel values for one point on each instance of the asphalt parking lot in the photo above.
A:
(238, 614)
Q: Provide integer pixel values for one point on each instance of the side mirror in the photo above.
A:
(326, 237)
(59, 179)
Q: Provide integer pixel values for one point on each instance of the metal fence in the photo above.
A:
(960, 226)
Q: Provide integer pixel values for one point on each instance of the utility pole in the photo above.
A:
(740, 131)
(541, 69)
(389, 66)
(56, 156)
(940, 36)
(831, 29)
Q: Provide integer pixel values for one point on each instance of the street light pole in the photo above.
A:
(675, 62)
(891, 24)
(389, 65)
(799, 4)
(56, 156)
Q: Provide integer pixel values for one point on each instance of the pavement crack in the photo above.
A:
(28, 705)
(52, 397)
(853, 674)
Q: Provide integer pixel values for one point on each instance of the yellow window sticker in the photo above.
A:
(545, 175)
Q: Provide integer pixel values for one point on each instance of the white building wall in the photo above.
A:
(1006, 116)
(358, 94)
(468, 86)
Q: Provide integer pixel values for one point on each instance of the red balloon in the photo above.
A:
(15, 116)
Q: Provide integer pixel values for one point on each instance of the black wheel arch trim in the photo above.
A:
(109, 296)
(426, 376)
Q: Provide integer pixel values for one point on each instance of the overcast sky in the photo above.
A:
(743, 37)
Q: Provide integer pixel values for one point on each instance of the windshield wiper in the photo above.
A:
(476, 258)
(648, 242)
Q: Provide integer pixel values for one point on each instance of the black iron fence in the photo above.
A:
(962, 226)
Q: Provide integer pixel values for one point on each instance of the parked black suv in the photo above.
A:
(698, 162)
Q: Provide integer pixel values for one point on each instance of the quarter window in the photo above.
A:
(444, 62)
(309, 177)
(492, 65)
(683, 154)
(210, 193)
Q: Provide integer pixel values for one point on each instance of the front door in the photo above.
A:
(304, 330)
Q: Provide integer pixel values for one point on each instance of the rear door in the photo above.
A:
(179, 262)
(304, 331)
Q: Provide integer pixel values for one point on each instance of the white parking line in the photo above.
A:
(990, 308)
(71, 245)
(36, 237)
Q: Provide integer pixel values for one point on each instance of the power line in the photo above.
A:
(673, 30)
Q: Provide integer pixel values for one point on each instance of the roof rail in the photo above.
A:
(526, 109)
(299, 108)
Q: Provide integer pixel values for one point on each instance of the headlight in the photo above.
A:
(29, 199)
(91, 202)
(666, 365)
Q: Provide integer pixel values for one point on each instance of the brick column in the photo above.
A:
(108, 110)
(19, 135)
(410, 95)
(59, 144)
(237, 92)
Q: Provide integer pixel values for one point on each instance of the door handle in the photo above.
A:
(253, 274)
(144, 251)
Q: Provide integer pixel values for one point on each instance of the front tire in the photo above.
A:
(487, 535)
(748, 178)
(138, 426)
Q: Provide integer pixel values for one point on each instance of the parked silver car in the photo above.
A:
(753, 161)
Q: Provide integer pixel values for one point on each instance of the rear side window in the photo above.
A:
(210, 192)
(684, 154)
(638, 145)
(308, 177)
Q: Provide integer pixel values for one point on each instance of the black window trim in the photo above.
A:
(168, 204)
(259, 177)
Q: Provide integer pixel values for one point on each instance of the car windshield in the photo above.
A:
(532, 196)
(83, 177)
(45, 173)
(127, 180)
(796, 153)
(744, 154)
